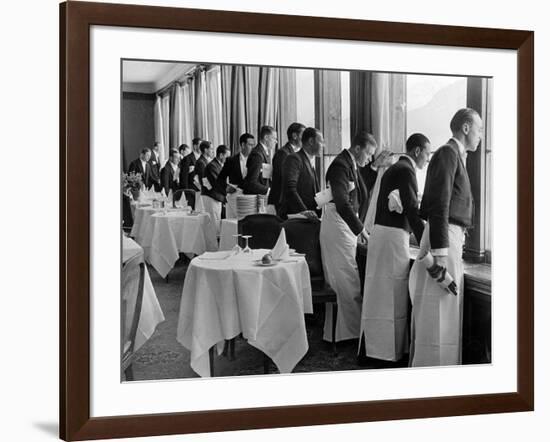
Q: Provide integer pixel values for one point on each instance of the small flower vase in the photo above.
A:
(135, 194)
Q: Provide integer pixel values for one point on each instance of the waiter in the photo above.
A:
(154, 162)
(212, 193)
(141, 165)
(187, 167)
(258, 163)
(384, 329)
(340, 226)
(448, 207)
(300, 183)
(294, 144)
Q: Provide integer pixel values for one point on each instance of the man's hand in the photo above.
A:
(364, 236)
(231, 189)
(309, 214)
(441, 261)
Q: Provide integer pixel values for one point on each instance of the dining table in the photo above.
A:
(151, 313)
(228, 293)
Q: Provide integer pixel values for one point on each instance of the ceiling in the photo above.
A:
(151, 76)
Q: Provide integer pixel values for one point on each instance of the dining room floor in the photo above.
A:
(162, 357)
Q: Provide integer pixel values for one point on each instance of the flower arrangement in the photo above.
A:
(131, 182)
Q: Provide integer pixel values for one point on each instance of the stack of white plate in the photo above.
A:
(246, 205)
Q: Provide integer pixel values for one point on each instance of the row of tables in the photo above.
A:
(225, 293)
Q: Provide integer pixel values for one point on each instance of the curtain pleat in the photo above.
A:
(176, 117)
(287, 102)
(165, 126)
(200, 120)
(159, 128)
(226, 74)
(238, 106)
(251, 93)
(187, 115)
(214, 106)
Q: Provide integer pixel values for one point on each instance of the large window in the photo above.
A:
(431, 103)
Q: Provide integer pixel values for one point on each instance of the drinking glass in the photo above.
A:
(246, 248)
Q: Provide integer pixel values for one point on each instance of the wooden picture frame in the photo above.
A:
(75, 21)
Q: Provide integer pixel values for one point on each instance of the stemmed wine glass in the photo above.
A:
(236, 248)
(246, 248)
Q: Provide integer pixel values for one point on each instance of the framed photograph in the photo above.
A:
(240, 193)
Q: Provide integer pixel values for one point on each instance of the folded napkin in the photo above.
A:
(394, 202)
(162, 193)
(142, 196)
(170, 196)
(323, 197)
(182, 201)
(199, 206)
(215, 256)
(281, 249)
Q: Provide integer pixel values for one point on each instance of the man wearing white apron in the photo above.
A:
(340, 226)
(448, 206)
(213, 194)
(384, 329)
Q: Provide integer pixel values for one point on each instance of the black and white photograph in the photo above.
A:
(281, 220)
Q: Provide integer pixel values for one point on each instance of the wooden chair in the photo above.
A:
(133, 277)
(263, 228)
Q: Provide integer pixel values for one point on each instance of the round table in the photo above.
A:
(226, 294)
(176, 231)
(151, 313)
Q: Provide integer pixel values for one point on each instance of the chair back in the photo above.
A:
(133, 278)
(264, 229)
(127, 218)
(303, 236)
(190, 196)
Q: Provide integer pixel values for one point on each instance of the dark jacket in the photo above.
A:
(187, 172)
(232, 169)
(447, 195)
(349, 202)
(154, 163)
(136, 167)
(254, 183)
(200, 169)
(168, 178)
(401, 176)
(275, 193)
(300, 184)
(211, 173)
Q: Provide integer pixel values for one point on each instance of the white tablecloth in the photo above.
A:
(142, 225)
(227, 230)
(173, 233)
(224, 297)
(151, 313)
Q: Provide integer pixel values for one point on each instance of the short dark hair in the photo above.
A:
(145, 150)
(204, 145)
(183, 147)
(309, 133)
(173, 152)
(196, 141)
(221, 149)
(362, 139)
(265, 131)
(416, 140)
(294, 128)
(245, 137)
(464, 115)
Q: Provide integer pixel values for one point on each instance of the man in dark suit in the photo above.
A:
(300, 182)
(214, 192)
(384, 327)
(340, 226)
(141, 165)
(258, 164)
(200, 166)
(154, 162)
(187, 167)
(234, 168)
(184, 150)
(169, 174)
(448, 207)
(294, 134)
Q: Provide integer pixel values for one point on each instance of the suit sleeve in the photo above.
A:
(441, 177)
(291, 173)
(252, 181)
(339, 182)
(408, 190)
(165, 179)
(184, 173)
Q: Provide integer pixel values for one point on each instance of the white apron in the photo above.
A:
(214, 209)
(338, 249)
(436, 323)
(385, 298)
(231, 206)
